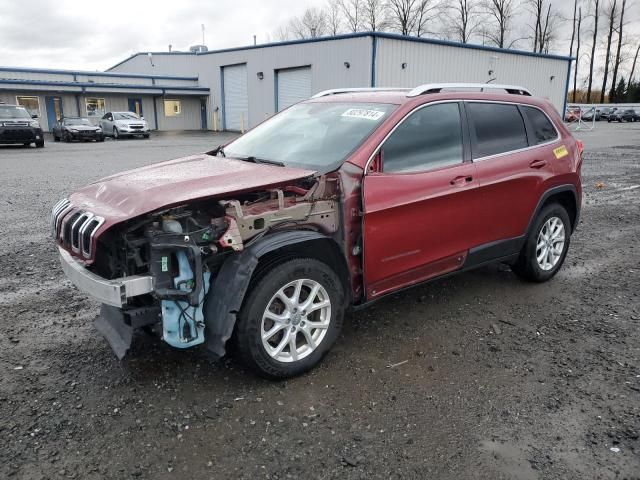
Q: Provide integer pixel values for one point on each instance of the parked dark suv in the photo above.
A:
(18, 127)
(331, 204)
(628, 115)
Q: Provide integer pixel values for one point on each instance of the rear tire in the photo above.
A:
(546, 245)
(304, 329)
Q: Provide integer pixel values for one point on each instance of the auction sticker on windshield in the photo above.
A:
(362, 113)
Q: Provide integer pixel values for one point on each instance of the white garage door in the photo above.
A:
(294, 85)
(236, 103)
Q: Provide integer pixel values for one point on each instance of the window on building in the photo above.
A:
(172, 108)
(498, 128)
(95, 107)
(31, 104)
(543, 129)
(430, 138)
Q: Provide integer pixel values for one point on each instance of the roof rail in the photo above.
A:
(337, 91)
(438, 87)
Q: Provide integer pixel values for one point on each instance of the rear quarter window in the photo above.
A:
(496, 128)
(543, 129)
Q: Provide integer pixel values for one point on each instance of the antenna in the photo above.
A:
(202, 25)
(255, 39)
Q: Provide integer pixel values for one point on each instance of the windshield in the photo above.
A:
(13, 112)
(125, 116)
(316, 136)
(77, 121)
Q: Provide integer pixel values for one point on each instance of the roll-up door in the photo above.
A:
(294, 85)
(236, 103)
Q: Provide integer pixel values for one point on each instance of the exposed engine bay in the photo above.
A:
(184, 247)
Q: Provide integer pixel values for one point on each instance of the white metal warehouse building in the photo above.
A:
(235, 89)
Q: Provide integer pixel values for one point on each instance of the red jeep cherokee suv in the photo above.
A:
(332, 203)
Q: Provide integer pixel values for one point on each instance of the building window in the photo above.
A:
(95, 107)
(172, 108)
(31, 104)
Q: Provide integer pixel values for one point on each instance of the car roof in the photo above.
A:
(400, 97)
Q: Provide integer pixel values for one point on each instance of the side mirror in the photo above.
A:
(141, 118)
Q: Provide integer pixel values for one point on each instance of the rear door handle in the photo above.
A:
(462, 180)
(538, 163)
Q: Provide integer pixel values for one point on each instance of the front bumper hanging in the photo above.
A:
(114, 292)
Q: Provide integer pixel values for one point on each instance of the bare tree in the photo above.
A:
(611, 15)
(573, 27)
(282, 33)
(402, 15)
(424, 13)
(312, 24)
(353, 11)
(633, 67)
(618, 60)
(501, 12)
(575, 70)
(374, 15)
(596, 14)
(333, 15)
(463, 18)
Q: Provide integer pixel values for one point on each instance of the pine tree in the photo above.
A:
(621, 91)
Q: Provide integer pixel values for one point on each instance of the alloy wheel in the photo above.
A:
(550, 243)
(296, 320)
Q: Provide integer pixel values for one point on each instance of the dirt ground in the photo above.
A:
(502, 379)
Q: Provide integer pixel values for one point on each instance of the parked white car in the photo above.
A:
(124, 124)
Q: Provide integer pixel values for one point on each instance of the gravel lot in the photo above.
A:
(503, 379)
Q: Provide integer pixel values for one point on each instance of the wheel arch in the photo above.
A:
(230, 285)
(565, 195)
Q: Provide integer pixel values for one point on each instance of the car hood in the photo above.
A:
(131, 121)
(82, 127)
(176, 182)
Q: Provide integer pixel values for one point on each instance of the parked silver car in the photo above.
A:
(124, 124)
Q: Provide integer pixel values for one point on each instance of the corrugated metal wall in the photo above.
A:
(424, 63)
(326, 59)
(429, 63)
(327, 67)
(189, 118)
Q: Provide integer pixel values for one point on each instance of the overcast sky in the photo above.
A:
(96, 34)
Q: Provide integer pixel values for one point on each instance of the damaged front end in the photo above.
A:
(188, 267)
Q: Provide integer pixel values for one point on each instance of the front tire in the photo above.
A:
(546, 246)
(290, 319)
(40, 144)
(116, 134)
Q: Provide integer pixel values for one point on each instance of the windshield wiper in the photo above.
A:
(253, 159)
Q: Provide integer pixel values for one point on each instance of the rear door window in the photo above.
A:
(543, 129)
(496, 128)
(428, 139)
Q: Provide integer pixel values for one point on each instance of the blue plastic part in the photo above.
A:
(183, 324)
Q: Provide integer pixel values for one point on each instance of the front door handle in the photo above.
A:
(462, 180)
(538, 163)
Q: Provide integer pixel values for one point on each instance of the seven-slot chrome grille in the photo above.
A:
(74, 228)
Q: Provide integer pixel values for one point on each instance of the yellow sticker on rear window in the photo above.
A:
(561, 152)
